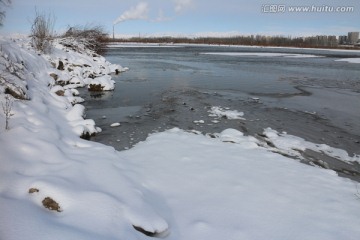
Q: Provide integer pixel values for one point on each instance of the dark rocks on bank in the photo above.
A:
(60, 93)
(95, 88)
(54, 76)
(61, 66)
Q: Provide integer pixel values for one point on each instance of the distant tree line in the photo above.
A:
(252, 40)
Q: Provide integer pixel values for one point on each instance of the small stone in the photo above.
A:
(33, 190)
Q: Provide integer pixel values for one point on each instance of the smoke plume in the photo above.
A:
(140, 11)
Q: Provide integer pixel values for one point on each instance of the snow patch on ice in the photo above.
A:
(199, 121)
(235, 136)
(291, 145)
(115, 125)
(225, 113)
(262, 54)
(349, 60)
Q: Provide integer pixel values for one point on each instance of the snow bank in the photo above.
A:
(75, 66)
(44, 163)
(209, 189)
(235, 136)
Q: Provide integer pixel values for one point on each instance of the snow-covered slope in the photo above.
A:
(232, 190)
(176, 185)
(43, 153)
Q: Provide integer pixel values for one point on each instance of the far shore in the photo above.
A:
(163, 41)
(345, 48)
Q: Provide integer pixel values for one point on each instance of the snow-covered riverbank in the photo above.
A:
(176, 184)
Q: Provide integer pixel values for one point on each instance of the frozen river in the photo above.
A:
(307, 93)
(234, 69)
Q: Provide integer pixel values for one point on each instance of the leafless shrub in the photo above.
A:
(7, 106)
(42, 31)
(91, 36)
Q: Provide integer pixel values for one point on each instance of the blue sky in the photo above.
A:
(188, 17)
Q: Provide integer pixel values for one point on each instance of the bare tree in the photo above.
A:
(7, 106)
(42, 30)
(3, 4)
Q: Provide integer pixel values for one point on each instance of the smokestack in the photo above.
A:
(113, 31)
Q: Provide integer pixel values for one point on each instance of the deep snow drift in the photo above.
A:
(176, 185)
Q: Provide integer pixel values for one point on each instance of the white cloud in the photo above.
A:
(181, 5)
(140, 11)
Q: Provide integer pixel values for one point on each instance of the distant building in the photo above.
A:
(353, 37)
(332, 41)
(343, 39)
(323, 41)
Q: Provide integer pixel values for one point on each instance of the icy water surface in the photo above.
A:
(306, 93)
(155, 69)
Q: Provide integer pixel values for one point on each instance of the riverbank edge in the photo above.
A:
(340, 49)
